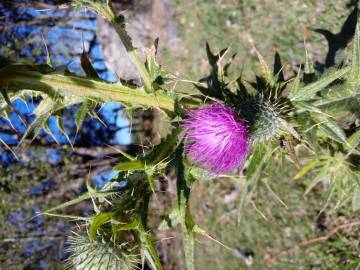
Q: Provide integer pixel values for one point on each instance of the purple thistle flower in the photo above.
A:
(217, 139)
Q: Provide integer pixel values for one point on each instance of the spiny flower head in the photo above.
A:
(217, 138)
(101, 254)
(262, 118)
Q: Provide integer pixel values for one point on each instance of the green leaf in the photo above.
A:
(150, 175)
(356, 199)
(187, 223)
(150, 250)
(83, 197)
(331, 129)
(353, 142)
(61, 127)
(130, 166)
(96, 223)
(19, 77)
(164, 149)
(172, 219)
(85, 108)
(87, 66)
(309, 67)
(295, 84)
(321, 176)
(5, 97)
(43, 112)
(264, 66)
(214, 58)
(156, 74)
(130, 226)
(255, 159)
(309, 91)
(311, 164)
(254, 170)
(8, 148)
(72, 217)
(340, 98)
(188, 240)
(354, 74)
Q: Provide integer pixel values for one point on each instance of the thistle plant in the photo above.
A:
(230, 126)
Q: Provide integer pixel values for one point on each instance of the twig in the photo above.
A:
(312, 241)
(31, 238)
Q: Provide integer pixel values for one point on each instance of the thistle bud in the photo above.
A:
(261, 117)
(101, 254)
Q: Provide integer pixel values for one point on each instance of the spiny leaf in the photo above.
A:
(255, 159)
(214, 58)
(187, 224)
(311, 164)
(264, 66)
(87, 66)
(309, 91)
(356, 199)
(257, 163)
(8, 148)
(96, 223)
(45, 109)
(6, 97)
(308, 68)
(321, 176)
(157, 75)
(154, 159)
(85, 108)
(150, 252)
(353, 142)
(83, 197)
(126, 155)
(188, 240)
(164, 149)
(61, 127)
(130, 166)
(105, 10)
(295, 84)
(19, 77)
(171, 219)
(332, 129)
(130, 226)
(278, 68)
(344, 97)
(354, 74)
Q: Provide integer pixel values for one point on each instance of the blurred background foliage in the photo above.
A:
(46, 173)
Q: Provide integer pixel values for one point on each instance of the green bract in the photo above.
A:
(102, 254)
(261, 117)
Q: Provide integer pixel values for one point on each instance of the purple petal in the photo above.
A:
(217, 139)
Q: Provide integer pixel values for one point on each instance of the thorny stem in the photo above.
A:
(52, 84)
(107, 12)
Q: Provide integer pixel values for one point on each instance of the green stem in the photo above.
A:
(108, 13)
(133, 55)
(53, 84)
